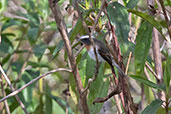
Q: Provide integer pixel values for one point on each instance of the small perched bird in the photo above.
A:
(102, 51)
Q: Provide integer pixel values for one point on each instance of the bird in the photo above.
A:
(103, 53)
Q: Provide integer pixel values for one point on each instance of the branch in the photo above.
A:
(92, 42)
(101, 100)
(4, 94)
(126, 98)
(151, 70)
(63, 31)
(32, 81)
(157, 56)
(148, 77)
(81, 48)
(166, 18)
(12, 88)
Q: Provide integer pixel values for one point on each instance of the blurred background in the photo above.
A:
(31, 45)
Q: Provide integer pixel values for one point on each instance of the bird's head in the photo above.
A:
(85, 40)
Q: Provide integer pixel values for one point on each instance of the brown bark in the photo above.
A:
(63, 31)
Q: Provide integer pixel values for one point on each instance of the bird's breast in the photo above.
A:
(92, 54)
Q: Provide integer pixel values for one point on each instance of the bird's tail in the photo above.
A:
(119, 68)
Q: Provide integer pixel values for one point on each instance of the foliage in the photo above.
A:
(30, 45)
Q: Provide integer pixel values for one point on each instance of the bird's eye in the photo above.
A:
(84, 40)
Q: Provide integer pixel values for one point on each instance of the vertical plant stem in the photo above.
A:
(63, 31)
(166, 17)
(126, 98)
(157, 55)
(116, 97)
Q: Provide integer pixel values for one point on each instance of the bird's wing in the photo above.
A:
(106, 56)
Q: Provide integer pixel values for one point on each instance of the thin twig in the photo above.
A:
(163, 45)
(166, 18)
(81, 48)
(92, 42)
(23, 66)
(151, 70)
(148, 77)
(32, 81)
(141, 104)
(115, 58)
(116, 97)
(102, 100)
(18, 46)
(127, 66)
(12, 88)
(113, 92)
(4, 94)
(126, 99)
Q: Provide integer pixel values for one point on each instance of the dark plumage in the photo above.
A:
(103, 52)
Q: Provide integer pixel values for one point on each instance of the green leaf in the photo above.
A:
(14, 105)
(31, 4)
(143, 42)
(30, 74)
(39, 109)
(52, 25)
(48, 101)
(82, 66)
(0, 5)
(98, 89)
(83, 60)
(147, 82)
(34, 19)
(161, 110)
(36, 64)
(16, 67)
(12, 102)
(153, 107)
(6, 46)
(58, 48)
(6, 59)
(169, 2)
(167, 74)
(10, 23)
(57, 108)
(150, 19)
(39, 50)
(118, 16)
(96, 3)
(27, 76)
(73, 90)
(77, 29)
(90, 67)
(87, 4)
(62, 103)
(132, 3)
(32, 34)
(125, 2)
